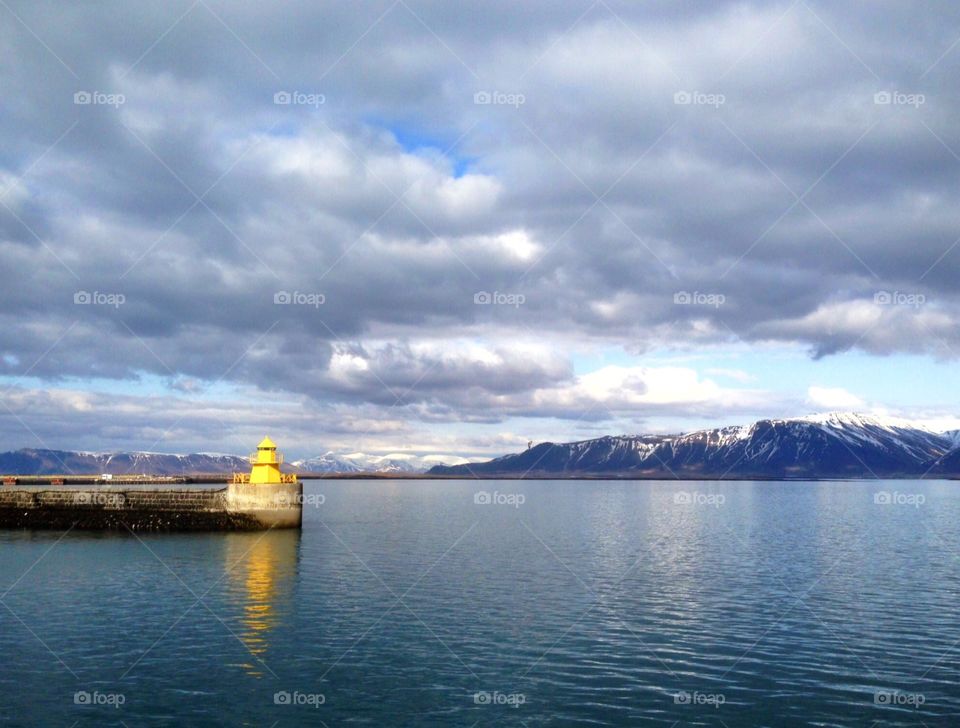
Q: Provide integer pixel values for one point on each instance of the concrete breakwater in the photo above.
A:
(239, 506)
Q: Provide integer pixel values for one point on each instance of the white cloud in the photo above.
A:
(644, 389)
(515, 243)
(837, 326)
(833, 398)
(736, 374)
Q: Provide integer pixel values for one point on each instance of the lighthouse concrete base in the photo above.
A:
(274, 505)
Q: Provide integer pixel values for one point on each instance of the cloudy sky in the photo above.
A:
(444, 229)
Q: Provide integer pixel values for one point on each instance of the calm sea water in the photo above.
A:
(556, 603)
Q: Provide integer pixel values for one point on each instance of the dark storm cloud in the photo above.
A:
(785, 184)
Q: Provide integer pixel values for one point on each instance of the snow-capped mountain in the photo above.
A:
(834, 445)
(326, 463)
(360, 463)
(953, 436)
(46, 462)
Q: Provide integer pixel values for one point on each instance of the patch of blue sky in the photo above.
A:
(415, 140)
(144, 385)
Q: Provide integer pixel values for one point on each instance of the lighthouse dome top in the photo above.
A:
(267, 444)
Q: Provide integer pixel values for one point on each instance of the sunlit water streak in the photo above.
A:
(590, 603)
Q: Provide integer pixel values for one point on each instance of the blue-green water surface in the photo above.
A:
(535, 603)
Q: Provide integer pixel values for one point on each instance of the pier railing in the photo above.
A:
(241, 478)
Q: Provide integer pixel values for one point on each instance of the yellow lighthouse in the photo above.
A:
(266, 462)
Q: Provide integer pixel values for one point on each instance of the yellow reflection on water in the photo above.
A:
(261, 567)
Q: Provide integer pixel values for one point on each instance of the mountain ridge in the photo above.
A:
(44, 461)
(829, 445)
